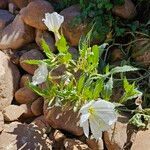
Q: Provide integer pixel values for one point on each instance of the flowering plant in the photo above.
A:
(79, 85)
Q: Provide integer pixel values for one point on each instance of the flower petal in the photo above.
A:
(84, 108)
(96, 131)
(86, 128)
(53, 21)
(83, 118)
(40, 74)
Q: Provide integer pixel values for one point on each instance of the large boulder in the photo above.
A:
(30, 55)
(125, 11)
(71, 30)
(21, 136)
(35, 12)
(9, 80)
(16, 34)
(64, 120)
(5, 18)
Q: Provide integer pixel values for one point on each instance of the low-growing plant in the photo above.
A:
(80, 86)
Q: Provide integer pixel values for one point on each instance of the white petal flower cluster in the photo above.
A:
(40, 74)
(98, 116)
(53, 22)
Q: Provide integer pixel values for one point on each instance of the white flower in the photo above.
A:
(53, 22)
(40, 74)
(98, 116)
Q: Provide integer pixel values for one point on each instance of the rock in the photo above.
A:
(73, 144)
(3, 4)
(142, 140)
(30, 55)
(9, 80)
(22, 136)
(25, 95)
(1, 122)
(5, 18)
(27, 111)
(70, 31)
(49, 39)
(95, 145)
(58, 138)
(41, 123)
(125, 11)
(16, 34)
(141, 51)
(37, 106)
(120, 135)
(12, 112)
(64, 120)
(25, 79)
(21, 3)
(39, 7)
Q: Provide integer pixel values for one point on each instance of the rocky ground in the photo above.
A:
(25, 120)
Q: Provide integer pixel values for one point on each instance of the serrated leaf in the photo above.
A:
(107, 90)
(80, 84)
(98, 88)
(123, 69)
(46, 49)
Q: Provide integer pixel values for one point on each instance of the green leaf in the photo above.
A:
(33, 62)
(39, 91)
(122, 69)
(95, 50)
(107, 90)
(98, 88)
(130, 91)
(62, 45)
(80, 84)
(46, 49)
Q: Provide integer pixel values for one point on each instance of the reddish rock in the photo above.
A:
(16, 34)
(25, 95)
(120, 136)
(12, 112)
(95, 145)
(22, 136)
(49, 39)
(42, 124)
(39, 7)
(141, 141)
(73, 144)
(9, 80)
(72, 32)
(126, 11)
(25, 79)
(37, 106)
(27, 111)
(3, 4)
(1, 121)
(5, 18)
(21, 3)
(64, 120)
(58, 138)
(30, 55)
